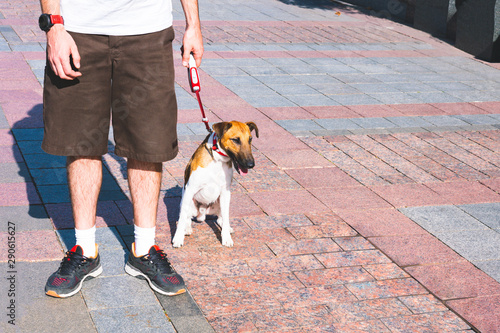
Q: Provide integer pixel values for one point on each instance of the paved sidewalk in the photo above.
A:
(374, 205)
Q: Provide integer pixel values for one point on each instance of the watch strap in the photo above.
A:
(56, 19)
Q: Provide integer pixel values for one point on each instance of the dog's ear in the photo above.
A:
(221, 128)
(251, 125)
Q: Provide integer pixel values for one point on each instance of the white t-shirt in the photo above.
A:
(116, 17)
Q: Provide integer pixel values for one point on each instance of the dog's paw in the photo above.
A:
(219, 222)
(227, 240)
(189, 231)
(178, 240)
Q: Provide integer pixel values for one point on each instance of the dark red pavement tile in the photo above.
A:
(367, 310)
(333, 276)
(380, 222)
(277, 142)
(267, 180)
(18, 194)
(353, 243)
(304, 246)
(206, 287)
(489, 107)
(459, 108)
(235, 252)
(298, 158)
(288, 202)
(274, 266)
(322, 112)
(336, 229)
(375, 111)
(278, 221)
(459, 193)
(324, 218)
(280, 113)
(385, 271)
(263, 283)
(304, 297)
(38, 245)
(322, 177)
(236, 303)
(455, 280)
(493, 184)
(352, 258)
(416, 249)
(423, 304)
(232, 323)
(404, 195)
(386, 288)
(263, 236)
(371, 326)
(433, 322)
(482, 312)
(348, 198)
(288, 320)
(213, 269)
(242, 205)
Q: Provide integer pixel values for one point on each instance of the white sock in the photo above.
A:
(144, 239)
(86, 239)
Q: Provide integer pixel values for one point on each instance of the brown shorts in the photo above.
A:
(129, 79)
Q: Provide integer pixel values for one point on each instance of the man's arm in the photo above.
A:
(192, 41)
(60, 45)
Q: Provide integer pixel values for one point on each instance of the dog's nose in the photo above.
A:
(250, 164)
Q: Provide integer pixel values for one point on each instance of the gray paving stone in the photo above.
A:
(437, 97)
(409, 121)
(184, 313)
(374, 88)
(337, 124)
(291, 89)
(396, 98)
(3, 121)
(474, 245)
(33, 217)
(488, 213)
(356, 99)
(372, 123)
(311, 100)
(490, 267)
(36, 312)
(268, 101)
(14, 173)
(26, 47)
(478, 119)
(118, 291)
(412, 87)
(439, 219)
(299, 125)
(444, 121)
(145, 318)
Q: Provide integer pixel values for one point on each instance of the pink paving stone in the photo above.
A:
(367, 310)
(265, 283)
(233, 322)
(416, 249)
(276, 142)
(303, 297)
(235, 54)
(34, 55)
(272, 54)
(303, 158)
(423, 303)
(482, 312)
(339, 229)
(279, 221)
(455, 280)
(352, 258)
(18, 194)
(404, 195)
(322, 177)
(331, 111)
(433, 322)
(20, 95)
(493, 184)
(20, 120)
(385, 271)
(304, 246)
(418, 109)
(280, 113)
(236, 303)
(386, 288)
(6, 138)
(38, 245)
(108, 215)
(370, 326)
(324, 218)
(194, 116)
(375, 111)
(459, 193)
(242, 205)
(459, 108)
(381, 222)
(489, 107)
(353, 243)
(333, 276)
(287, 202)
(308, 54)
(289, 320)
(10, 154)
(347, 198)
(273, 266)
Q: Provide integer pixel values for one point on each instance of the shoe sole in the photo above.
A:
(93, 274)
(138, 274)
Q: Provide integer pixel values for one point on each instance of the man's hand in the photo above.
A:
(192, 41)
(60, 47)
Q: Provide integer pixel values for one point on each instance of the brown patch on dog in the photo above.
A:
(200, 159)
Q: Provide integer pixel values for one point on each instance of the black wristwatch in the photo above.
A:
(47, 21)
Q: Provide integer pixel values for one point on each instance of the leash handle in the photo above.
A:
(194, 84)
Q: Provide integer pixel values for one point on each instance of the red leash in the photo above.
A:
(194, 83)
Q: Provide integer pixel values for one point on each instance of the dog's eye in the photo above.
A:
(236, 141)
(250, 140)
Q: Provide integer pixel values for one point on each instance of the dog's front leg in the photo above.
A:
(225, 198)
(185, 216)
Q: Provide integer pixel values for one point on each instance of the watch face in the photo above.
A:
(44, 22)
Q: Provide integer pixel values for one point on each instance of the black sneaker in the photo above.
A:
(155, 268)
(74, 269)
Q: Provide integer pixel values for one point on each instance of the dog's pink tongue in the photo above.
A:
(243, 171)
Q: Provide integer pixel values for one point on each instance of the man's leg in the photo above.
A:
(144, 181)
(146, 259)
(82, 261)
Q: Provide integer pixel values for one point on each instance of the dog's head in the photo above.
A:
(235, 138)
